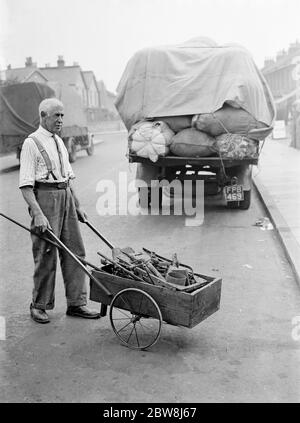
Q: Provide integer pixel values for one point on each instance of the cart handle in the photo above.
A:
(50, 242)
(59, 244)
(92, 227)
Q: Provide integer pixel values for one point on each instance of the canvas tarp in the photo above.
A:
(192, 78)
(19, 105)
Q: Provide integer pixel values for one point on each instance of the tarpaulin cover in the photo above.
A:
(192, 78)
(19, 105)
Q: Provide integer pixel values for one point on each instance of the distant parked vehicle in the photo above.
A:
(19, 117)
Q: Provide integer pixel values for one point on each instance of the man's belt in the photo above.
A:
(51, 185)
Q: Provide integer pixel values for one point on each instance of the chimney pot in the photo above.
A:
(28, 62)
(60, 62)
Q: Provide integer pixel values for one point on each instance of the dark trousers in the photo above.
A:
(59, 208)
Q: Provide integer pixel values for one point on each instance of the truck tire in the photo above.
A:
(242, 205)
(72, 150)
(90, 149)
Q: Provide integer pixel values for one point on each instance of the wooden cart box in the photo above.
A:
(177, 308)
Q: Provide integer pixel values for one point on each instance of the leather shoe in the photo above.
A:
(38, 315)
(82, 311)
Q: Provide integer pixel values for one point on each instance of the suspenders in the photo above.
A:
(45, 157)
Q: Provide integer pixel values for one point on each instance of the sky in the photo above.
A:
(102, 35)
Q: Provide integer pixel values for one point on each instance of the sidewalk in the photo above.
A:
(277, 180)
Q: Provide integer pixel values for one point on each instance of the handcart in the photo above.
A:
(139, 303)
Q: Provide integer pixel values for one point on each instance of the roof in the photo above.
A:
(36, 71)
(281, 62)
(22, 74)
(89, 78)
(66, 75)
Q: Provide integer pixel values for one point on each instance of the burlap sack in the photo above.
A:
(177, 123)
(192, 143)
(227, 119)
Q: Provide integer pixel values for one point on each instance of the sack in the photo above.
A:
(192, 143)
(150, 139)
(234, 146)
(177, 123)
(227, 119)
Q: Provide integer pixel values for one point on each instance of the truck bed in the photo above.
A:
(174, 161)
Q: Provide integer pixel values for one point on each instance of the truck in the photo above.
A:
(19, 117)
(197, 78)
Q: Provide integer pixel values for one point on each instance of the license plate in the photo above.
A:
(234, 192)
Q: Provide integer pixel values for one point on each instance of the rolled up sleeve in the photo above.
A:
(27, 164)
(70, 173)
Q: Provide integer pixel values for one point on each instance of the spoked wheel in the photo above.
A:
(135, 318)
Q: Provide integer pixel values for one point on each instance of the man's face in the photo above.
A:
(53, 120)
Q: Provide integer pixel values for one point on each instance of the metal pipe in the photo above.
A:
(134, 276)
(92, 227)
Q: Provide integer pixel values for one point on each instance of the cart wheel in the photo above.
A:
(135, 318)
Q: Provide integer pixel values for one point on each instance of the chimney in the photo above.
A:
(75, 64)
(60, 62)
(47, 65)
(8, 67)
(28, 62)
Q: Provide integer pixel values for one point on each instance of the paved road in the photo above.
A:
(243, 353)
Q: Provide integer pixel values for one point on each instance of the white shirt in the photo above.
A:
(32, 165)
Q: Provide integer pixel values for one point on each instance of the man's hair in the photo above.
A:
(48, 104)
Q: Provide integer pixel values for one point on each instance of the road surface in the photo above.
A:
(248, 351)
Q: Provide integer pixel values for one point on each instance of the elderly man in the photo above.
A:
(46, 184)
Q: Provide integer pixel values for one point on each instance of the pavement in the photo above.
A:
(277, 181)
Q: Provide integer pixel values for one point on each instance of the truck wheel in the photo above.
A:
(72, 150)
(242, 205)
(90, 149)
